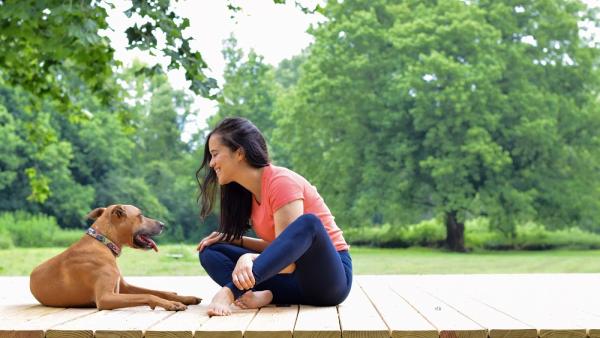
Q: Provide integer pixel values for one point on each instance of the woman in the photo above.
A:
(300, 256)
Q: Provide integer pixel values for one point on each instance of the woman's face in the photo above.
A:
(223, 161)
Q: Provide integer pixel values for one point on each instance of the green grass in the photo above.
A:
(183, 260)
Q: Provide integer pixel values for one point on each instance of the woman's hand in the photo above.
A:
(209, 240)
(242, 275)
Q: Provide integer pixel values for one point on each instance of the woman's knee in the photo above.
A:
(310, 221)
(216, 255)
(209, 257)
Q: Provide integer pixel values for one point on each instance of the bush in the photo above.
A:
(533, 236)
(5, 239)
(478, 235)
(373, 236)
(529, 236)
(27, 230)
(426, 233)
(64, 238)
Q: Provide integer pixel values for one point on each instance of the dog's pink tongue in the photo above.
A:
(150, 242)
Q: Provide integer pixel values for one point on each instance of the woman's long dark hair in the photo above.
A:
(236, 201)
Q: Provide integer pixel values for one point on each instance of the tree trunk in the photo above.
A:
(455, 233)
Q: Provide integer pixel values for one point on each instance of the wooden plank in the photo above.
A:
(594, 333)
(358, 317)
(16, 323)
(182, 324)
(401, 318)
(559, 305)
(36, 327)
(273, 322)
(15, 290)
(447, 320)
(199, 286)
(232, 326)
(572, 288)
(11, 307)
(498, 323)
(23, 312)
(14, 334)
(576, 296)
(130, 322)
(10, 333)
(135, 324)
(317, 322)
(8, 311)
(523, 297)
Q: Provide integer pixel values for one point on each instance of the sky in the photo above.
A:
(276, 32)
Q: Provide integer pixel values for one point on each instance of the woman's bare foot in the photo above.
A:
(221, 303)
(254, 299)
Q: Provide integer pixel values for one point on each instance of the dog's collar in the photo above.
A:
(116, 250)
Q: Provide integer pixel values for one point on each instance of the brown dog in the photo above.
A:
(87, 275)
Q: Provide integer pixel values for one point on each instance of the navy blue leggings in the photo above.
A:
(323, 276)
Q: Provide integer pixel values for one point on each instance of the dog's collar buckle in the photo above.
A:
(103, 239)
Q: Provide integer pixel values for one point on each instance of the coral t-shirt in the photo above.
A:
(280, 186)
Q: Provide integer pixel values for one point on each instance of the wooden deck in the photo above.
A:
(543, 305)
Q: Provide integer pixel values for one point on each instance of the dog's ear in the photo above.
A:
(94, 214)
(119, 211)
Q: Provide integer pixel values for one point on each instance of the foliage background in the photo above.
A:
(465, 124)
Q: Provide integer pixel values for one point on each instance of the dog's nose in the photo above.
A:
(161, 224)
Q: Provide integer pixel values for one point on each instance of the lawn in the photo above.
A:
(183, 260)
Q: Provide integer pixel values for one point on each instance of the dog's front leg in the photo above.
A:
(173, 296)
(108, 299)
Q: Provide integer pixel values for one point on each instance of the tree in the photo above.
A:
(102, 159)
(451, 107)
(35, 143)
(162, 161)
(45, 37)
(48, 44)
(249, 89)
(69, 138)
(287, 72)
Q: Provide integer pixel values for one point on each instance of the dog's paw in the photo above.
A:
(173, 306)
(190, 300)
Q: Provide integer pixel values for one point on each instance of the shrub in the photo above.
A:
(529, 236)
(478, 235)
(5, 239)
(533, 236)
(64, 238)
(426, 233)
(373, 236)
(27, 230)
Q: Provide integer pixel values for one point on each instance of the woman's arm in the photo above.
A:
(242, 274)
(283, 217)
(254, 244)
(287, 214)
